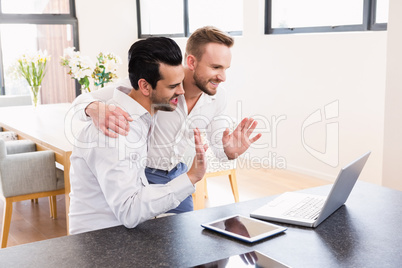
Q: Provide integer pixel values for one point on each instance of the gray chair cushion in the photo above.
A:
(8, 136)
(3, 150)
(60, 179)
(20, 146)
(28, 173)
(15, 100)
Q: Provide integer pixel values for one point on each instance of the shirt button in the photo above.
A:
(134, 157)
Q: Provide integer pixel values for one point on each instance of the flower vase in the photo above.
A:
(35, 95)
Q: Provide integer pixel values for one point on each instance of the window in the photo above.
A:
(179, 18)
(294, 16)
(31, 25)
(155, 20)
(227, 15)
(379, 14)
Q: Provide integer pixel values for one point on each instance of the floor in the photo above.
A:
(31, 222)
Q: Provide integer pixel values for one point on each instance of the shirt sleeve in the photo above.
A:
(124, 184)
(82, 101)
(217, 126)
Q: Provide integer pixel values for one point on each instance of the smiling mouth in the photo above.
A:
(174, 100)
(215, 84)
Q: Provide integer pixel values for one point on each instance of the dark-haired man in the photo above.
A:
(108, 183)
(203, 105)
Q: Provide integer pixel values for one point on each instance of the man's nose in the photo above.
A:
(221, 76)
(180, 89)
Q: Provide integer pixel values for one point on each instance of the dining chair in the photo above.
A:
(12, 136)
(8, 135)
(27, 174)
(216, 168)
(15, 100)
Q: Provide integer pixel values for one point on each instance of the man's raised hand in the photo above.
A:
(239, 140)
(199, 167)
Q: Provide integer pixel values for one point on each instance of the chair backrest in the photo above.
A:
(20, 146)
(8, 136)
(18, 100)
(3, 150)
(27, 173)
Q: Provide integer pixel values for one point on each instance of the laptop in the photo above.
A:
(310, 210)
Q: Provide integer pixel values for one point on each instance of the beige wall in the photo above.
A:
(392, 170)
(294, 75)
(281, 76)
(108, 26)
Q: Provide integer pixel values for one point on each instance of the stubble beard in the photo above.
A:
(158, 105)
(202, 86)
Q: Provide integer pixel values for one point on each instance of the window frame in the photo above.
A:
(374, 26)
(186, 24)
(50, 19)
(368, 23)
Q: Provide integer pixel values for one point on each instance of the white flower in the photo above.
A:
(32, 66)
(86, 62)
(69, 52)
(110, 66)
(85, 71)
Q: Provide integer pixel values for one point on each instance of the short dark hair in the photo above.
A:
(145, 56)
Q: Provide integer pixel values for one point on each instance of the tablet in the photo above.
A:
(244, 228)
(253, 259)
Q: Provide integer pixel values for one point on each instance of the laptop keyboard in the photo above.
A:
(308, 208)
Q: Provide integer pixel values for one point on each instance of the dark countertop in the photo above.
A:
(364, 233)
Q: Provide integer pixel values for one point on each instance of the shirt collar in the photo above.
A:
(204, 100)
(208, 98)
(129, 104)
(124, 89)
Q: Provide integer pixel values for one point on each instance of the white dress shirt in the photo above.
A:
(172, 141)
(108, 183)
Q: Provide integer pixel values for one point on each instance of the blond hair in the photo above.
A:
(203, 36)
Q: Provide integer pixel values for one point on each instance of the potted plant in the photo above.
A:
(85, 71)
(32, 67)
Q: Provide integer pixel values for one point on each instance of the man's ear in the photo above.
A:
(191, 62)
(144, 87)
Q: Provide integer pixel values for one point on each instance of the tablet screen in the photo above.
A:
(249, 259)
(244, 228)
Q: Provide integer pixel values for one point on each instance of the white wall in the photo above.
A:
(108, 26)
(392, 173)
(282, 75)
(294, 75)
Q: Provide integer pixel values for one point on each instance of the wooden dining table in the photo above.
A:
(51, 126)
